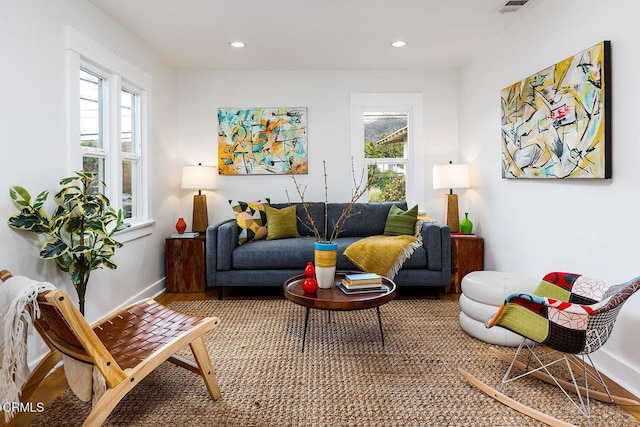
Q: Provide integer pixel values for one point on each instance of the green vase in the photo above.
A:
(466, 225)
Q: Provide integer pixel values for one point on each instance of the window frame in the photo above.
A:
(135, 155)
(118, 74)
(411, 103)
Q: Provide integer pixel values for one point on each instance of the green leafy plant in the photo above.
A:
(79, 231)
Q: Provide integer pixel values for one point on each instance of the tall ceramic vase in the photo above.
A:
(325, 260)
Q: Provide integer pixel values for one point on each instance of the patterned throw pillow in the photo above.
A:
(282, 223)
(401, 222)
(251, 219)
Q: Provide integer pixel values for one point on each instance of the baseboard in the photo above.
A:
(150, 291)
(627, 377)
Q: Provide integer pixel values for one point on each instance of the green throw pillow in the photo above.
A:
(251, 220)
(400, 222)
(281, 223)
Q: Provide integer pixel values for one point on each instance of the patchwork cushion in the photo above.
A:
(282, 223)
(401, 222)
(251, 219)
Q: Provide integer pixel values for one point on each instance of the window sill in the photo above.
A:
(136, 231)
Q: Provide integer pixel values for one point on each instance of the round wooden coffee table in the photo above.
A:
(333, 299)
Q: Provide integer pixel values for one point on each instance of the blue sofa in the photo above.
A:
(271, 262)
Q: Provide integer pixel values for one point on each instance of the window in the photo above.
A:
(108, 109)
(101, 151)
(385, 153)
(385, 130)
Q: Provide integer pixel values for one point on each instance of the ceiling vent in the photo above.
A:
(513, 6)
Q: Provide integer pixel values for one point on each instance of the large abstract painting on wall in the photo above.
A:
(262, 141)
(556, 123)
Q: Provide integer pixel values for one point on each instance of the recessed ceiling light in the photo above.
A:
(399, 43)
(237, 44)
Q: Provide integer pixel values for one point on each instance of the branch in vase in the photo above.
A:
(310, 225)
(360, 188)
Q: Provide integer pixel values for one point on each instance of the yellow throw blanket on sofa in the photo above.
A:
(383, 255)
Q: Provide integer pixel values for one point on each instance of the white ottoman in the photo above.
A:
(482, 293)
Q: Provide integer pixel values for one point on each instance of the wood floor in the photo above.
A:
(56, 383)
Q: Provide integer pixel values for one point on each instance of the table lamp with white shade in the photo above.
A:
(199, 178)
(451, 176)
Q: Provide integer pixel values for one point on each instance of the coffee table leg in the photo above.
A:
(380, 323)
(306, 322)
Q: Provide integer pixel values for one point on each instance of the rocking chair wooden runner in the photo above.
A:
(124, 347)
(568, 317)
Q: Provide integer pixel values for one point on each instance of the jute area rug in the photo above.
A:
(344, 378)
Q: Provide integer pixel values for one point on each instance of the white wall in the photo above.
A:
(326, 96)
(536, 226)
(33, 142)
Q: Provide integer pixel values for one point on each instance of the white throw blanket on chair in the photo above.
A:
(84, 379)
(18, 308)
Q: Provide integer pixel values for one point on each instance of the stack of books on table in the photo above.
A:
(362, 282)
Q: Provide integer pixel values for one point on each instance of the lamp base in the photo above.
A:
(453, 217)
(200, 216)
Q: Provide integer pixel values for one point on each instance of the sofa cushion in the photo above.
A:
(251, 219)
(401, 222)
(274, 254)
(369, 218)
(281, 223)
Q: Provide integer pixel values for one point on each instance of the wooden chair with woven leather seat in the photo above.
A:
(124, 347)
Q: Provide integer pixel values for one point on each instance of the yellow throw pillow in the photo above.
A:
(281, 223)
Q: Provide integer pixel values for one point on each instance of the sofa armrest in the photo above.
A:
(436, 239)
(220, 241)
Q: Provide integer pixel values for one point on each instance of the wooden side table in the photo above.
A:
(467, 255)
(184, 264)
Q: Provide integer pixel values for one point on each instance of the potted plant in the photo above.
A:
(325, 249)
(79, 231)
